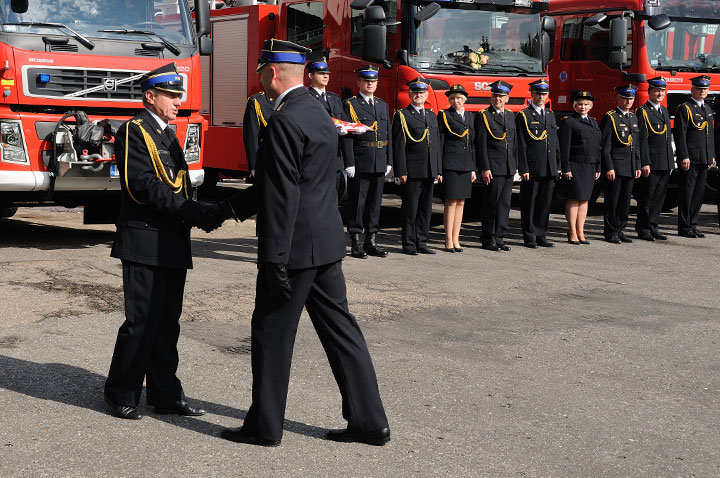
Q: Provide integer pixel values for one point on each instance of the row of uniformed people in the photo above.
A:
(454, 146)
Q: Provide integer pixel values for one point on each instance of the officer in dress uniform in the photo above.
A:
(620, 163)
(257, 112)
(695, 146)
(417, 163)
(319, 74)
(368, 159)
(153, 243)
(656, 158)
(538, 165)
(496, 148)
(301, 244)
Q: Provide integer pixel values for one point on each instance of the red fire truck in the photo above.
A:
(471, 42)
(68, 80)
(600, 44)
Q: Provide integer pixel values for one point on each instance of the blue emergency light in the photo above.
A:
(44, 78)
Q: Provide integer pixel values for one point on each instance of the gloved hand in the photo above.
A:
(212, 217)
(388, 170)
(275, 278)
(350, 170)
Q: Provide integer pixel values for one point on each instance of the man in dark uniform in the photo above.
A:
(695, 146)
(620, 163)
(153, 242)
(417, 162)
(538, 165)
(257, 111)
(496, 148)
(367, 159)
(656, 158)
(300, 249)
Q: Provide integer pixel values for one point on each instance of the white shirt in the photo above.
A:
(159, 120)
(365, 97)
(320, 92)
(282, 95)
(418, 110)
(461, 113)
(656, 106)
(699, 103)
(540, 110)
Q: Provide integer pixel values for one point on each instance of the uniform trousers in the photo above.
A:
(365, 192)
(495, 214)
(321, 290)
(535, 199)
(692, 190)
(617, 205)
(651, 199)
(417, 195)
(147, 341)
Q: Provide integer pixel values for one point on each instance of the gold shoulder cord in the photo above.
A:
(649, 126)
(625, 143)
(487, 125)
(403, 122)
(702, 126)
(354, 117)
(543, 136)
(258, 113)
(465, 134)
(177, 186)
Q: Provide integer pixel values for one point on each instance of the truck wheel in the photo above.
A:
(7, 211)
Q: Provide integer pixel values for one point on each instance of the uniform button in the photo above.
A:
(281, 253)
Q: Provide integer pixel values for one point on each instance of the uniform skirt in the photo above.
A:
(580, 187)
(456, 184)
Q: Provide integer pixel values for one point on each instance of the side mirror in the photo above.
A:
(19, 6)
(545, 49)
(618, 33)
(595, 19)
(548, 24)
(402, 57)
(426, 13)
(659, 22)
(617, 58)
(202, 18)
(374, 33)
(205, 45)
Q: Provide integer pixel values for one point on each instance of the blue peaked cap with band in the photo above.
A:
(281, 51)
(165, 78)
(657, 82)
(369, 73)
(626, 91)
(418, 84)
(540, 86)
(318, 67)
(500, 87)
(702, 81)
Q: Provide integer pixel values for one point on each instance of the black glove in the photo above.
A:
(243, 203)
(213, 216)
(275, 278)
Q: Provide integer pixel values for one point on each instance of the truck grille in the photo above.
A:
(58, 82)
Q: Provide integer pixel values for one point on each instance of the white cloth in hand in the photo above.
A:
(350, 170)
(388, 170)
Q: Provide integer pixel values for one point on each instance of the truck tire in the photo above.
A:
(7, 211)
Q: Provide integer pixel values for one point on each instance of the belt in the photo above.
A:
(372, 144)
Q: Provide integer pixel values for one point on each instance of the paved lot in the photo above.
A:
(580, 361)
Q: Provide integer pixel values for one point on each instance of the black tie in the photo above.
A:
(370, 102)
(323, 96)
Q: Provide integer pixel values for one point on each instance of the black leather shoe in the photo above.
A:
(121, 411)
(659, 237)
(238, 435)
(625, 239)
(449, 249)
(503, 247)
(371, 247)
(410, 252)
(584, 241)
(356, 249)
(490, 247)
(423, 249)
(699, 234)
(613, 240)
(374, 437)
(530, 245)
(179, 408)
(545, 244)
(646, 237)
(689, 234)
(458, 249)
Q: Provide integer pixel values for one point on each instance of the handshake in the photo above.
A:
(208, 216)
(214, 214)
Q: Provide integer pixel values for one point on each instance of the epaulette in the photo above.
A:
(610, 112)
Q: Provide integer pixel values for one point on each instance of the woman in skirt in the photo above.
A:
(580, 148)
(458, 162)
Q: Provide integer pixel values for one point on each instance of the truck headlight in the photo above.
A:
(192, 143)
(12, 145)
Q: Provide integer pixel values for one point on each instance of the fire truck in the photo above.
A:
(601, 44)
(68, 80)
(470, 42)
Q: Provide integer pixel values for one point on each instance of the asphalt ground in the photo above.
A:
(577, 361)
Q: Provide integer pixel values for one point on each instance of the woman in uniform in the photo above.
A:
(458, 162)
(580, 148)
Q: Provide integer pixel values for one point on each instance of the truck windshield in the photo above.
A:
(684, 46)
(167, 18)
(477, 41)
